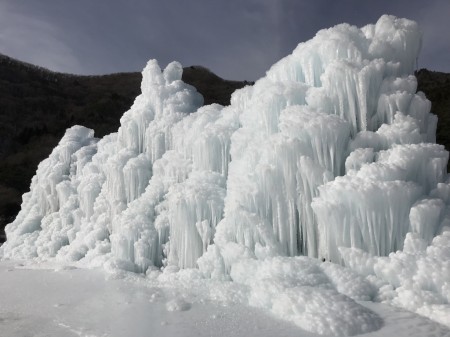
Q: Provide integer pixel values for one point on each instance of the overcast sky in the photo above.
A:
(237, 39)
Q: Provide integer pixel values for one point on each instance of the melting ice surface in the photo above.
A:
(331, 155)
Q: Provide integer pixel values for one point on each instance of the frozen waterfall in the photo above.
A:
(332, 149)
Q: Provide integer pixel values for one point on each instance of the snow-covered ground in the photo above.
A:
(52, 300)
(43, 300)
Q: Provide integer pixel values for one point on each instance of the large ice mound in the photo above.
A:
(331, 155)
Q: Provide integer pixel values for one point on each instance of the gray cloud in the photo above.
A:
(34, 40)
(237, 39)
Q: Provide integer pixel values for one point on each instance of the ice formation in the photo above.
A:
(331, 155)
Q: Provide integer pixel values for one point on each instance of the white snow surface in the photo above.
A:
(330, 156)
(54, 300)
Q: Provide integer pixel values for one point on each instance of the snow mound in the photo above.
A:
(417, 278)
(298, 290)
(177, 304)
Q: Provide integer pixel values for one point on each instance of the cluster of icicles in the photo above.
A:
(332, 148)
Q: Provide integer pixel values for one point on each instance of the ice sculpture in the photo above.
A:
(332, 148)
